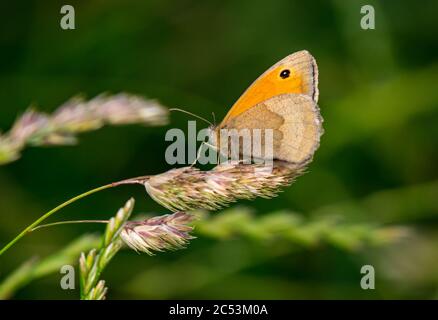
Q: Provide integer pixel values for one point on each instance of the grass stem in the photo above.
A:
(49, 213)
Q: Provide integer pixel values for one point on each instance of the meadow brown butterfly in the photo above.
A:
(284, 100)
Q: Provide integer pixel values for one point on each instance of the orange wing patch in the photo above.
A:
(297, 73)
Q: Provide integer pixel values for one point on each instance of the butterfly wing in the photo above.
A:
(297, 73)
(296, 123)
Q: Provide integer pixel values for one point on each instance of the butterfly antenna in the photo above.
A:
(192, 114)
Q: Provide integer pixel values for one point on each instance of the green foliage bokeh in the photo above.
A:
(377, 164)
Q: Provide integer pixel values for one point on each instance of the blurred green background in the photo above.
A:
(377, 164)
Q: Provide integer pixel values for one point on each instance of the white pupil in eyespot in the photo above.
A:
(285, 74)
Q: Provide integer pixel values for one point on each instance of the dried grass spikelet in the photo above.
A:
(80, 115)
(189, 188)
(27, 125)
(167, 232)
(75, 116)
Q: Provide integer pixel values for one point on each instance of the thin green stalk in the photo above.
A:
(49, 213)
(67, 222)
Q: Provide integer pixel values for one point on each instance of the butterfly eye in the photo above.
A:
(285, 73)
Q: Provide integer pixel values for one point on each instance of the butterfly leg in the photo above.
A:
(198, 155)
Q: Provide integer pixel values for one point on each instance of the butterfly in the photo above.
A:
(284, 100)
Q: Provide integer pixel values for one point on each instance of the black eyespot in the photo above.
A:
(285, 73)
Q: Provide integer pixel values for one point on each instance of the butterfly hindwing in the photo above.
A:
(295, 122)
